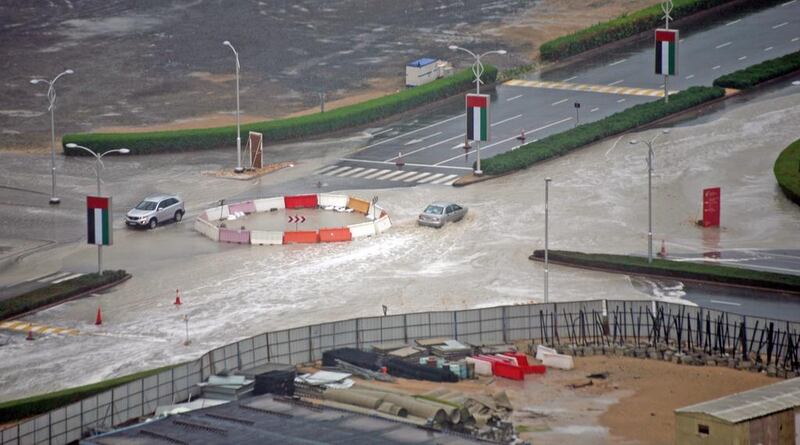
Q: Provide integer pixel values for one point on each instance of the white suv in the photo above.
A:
(155, 209)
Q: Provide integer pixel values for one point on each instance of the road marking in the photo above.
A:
(355, 170)
(567, 119)
(450, 182)
(570, 78)
(616, 83)
(379, 173)
(365, 172)
(506, 120)
(52, 276)
(621, 100)
(410, 164)
(431, 178)
(382, 131)
(795, 39)
(742, 58)
(404, 175)
(593, 110)
(617, 62)
(338, 170)
(445, 179)
(769, 48)
(689, 76)
(733, 22)
(788, 3)
(559, 102)
(321, 171)
(415, 131)
(514, 98)
(715, 68)
(585, 87)
(67, 278)
(724, 45)
(417, 177)
(461, 145)
(414, 141)
(426, 147)
(729, 303)
(780, 25)
(390, 175)
(24, 326)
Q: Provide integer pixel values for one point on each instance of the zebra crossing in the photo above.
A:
(394, 175)
(58, 277)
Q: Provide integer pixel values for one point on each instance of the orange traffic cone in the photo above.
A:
(99, 319)
(178, 302)
(663, 253)
(30, 334)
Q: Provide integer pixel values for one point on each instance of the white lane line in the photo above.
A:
(780, 25)
(355, 170)
(506, 120)
(338, 170)
(559, 102)
(415, 131)
(431, 178)
(788, 3)
(404, 176)
(593, 110)
(376, 174)
(409, 164)
(365, 172)
(417, 177)
(729, 303)
(571, 78)
(461, 145)
(617, 62)
(733, 22)
(445, 179)
(616, 83)
(390, 175)
(323, 170)
(414, 141)
(689, 76)
(52, 276)
(67, 278)
(382, 131)
(742, 58)
(621, 100)
(715, 67)
(724, 45)
(795, 39)
(514, 98)
(769, 48)
(566, 119)
(458, 136)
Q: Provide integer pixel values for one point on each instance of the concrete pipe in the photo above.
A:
(419, 409)
(391, 408)
(352, 398)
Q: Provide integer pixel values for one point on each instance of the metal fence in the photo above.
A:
(573, 322)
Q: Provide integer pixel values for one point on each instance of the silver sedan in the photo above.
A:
(438, 213)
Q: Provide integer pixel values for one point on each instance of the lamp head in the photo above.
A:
(72, 145)
(226, 43)
(69, 72)
(124, 151)
(35, 81)
(453, 47)
(633, 142)
(547, 179)
(501, 51)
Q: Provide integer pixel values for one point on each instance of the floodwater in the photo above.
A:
(598, 203)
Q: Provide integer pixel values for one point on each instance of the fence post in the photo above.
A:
(505, 334)
(405, 328)
(455, 325)
(310, 346)
(358, 333)
(238, 357)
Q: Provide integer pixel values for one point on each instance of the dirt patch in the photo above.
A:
(250, 173)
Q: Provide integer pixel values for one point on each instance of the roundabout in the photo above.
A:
(304, 219)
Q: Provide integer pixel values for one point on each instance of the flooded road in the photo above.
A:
(598, 203)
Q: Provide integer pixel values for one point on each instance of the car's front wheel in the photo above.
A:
(178, 216)
(153, 223)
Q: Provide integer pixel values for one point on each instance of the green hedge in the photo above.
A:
(787, 171)
(57, 292)
(634, 23)
(755, 74)
(675, 269)
(281, 129)
(561, 143)
(23, 408)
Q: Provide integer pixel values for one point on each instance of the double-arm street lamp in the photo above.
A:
(238, 168)
(51, 97)
(98, 166)
(477, 70)
(650, 192)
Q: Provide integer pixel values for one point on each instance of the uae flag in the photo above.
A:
(477, 117)
(667, 52)
(98, 218)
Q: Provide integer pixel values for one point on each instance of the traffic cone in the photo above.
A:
(663, 253)
(99, 319)
(178, 302)
(30, 334)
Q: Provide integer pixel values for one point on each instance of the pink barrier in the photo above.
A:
(245, 207)
(234, 236)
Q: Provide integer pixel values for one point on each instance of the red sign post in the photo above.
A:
(711, 207)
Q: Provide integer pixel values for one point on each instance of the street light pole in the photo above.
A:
(51, 98)
(650, 192)
(186, 342)
(98, 165)
(546, 233)
(477, 70)
(238, 168)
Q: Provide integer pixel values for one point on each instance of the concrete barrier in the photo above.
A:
(217, 213)
(331, 235)
(265, 238)
(362, 230)
(244, 207)
(359, 205)
(206, 229)
(267, 204)
(330, 200)
(383, 224)
(234, 236)
(300, 237)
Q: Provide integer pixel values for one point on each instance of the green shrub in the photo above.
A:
(561, 143)
(787, 171)
(675, 269)
(281, 129)
(627, 25)
(57, 292)
(755, 74)
(19, 409)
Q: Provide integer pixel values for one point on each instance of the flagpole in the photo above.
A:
(478, 170)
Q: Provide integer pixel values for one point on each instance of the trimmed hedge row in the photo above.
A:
(561, 143)
(281, 129)
(57, 292)
(755, 74)
(30, 406)
(631, 24)
(787, 171)
(675, 269)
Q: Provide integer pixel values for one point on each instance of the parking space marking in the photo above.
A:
(585, 87)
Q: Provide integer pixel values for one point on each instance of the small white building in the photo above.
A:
(426, 70)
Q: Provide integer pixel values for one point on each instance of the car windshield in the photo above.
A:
(435, 210)
(146, 205)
